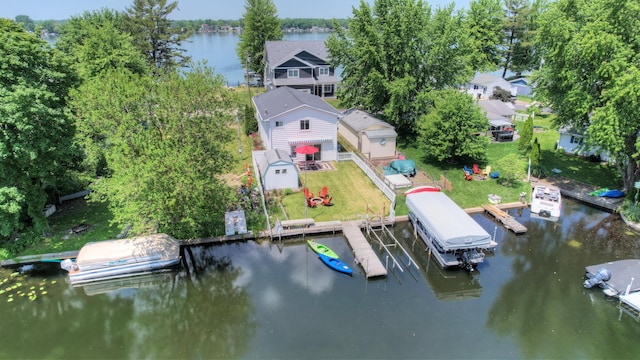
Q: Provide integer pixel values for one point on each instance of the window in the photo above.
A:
(576, 139)
(277, 172)
(327, 88)
(293, 151)
(278, 123)
(304, 124)
(284, 171)
(323, 71)
(293, 73)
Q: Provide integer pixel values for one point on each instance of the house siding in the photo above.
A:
(280, 176)
(321, 126)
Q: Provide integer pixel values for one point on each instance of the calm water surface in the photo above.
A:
(260, 300)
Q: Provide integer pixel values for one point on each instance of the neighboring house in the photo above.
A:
(302, 65)
(501, 117)
(288, 118)
(522, 86)
(372, 137)
(571, 142)
(483, 85)
(277, 170)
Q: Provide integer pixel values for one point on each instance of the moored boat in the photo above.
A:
(336, 264)
(419, 189)
(546, 202)
(322, 249)
(617, 280)
(113, 259)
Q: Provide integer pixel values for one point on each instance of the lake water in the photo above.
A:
(252, 300)
(219, 50)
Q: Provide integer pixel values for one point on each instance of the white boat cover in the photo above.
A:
(157, 247)
(453, 227)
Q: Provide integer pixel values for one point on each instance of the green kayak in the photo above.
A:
(322, 249)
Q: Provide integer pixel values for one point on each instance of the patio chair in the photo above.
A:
(311, 203)
(308, 194)
(476, 169)
(467, 170)
(467, 176)
(327, 201)
(487, 170)
(324, 192)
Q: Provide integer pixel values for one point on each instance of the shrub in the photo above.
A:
(630, 211)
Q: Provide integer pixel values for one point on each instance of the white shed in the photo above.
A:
(372, 137)
(277, 170)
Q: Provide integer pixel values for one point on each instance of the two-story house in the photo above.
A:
(288, 118)
(482, 86)
(301, 65)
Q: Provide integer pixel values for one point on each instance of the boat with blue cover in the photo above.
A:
(336, 264)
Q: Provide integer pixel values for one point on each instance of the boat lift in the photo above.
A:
(396, 243)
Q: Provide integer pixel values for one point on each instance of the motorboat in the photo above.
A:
(546, 202)
(450, 234)
(114, 259)
(617, 279)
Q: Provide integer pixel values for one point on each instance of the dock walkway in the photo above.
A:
(580, 191)
(507, 220)
(364, 254)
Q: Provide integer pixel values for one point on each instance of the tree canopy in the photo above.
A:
(261, 24)
(167, 144)
(591, 74)
(450, 131)
(148, 23)
(36, 130)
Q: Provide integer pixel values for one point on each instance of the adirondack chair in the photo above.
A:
(311, 203)
(323, 193)
(308, 194)
(467, 176)
(476, 169)
(467, 170)
(487, 170)
(327, 201)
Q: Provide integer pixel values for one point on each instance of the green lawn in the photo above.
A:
(350, 188)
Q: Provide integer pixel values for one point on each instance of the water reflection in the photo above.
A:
(250, 300)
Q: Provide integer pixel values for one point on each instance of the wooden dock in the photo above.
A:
(364, 254)
(507, 220)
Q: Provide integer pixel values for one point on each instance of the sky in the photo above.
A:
(192, 9)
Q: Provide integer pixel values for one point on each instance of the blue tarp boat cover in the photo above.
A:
(404, 167)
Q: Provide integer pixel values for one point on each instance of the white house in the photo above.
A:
(571, 142)
(483, 85)
(277, 170)
(288, 118)
(501, 118)
(373, 137)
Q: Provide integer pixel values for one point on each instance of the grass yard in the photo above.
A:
(350, 188)
(72, 213)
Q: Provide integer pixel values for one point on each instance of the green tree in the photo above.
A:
(535, 155)
(396, 50)
(260, 24)
(36, 130)
(526, 134)
(591, 75)
(26, 21)
(148, 23)
(250, 121)
(520, 28)
(484, 24)
(511, 169)
(168, 145)
(450, 131)
(96, 43)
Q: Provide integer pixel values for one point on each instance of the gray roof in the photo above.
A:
(359, 120)
(283, 99)
(278, 52)
(497, 107)
(453, 228)
(271, 157)
(485, 79)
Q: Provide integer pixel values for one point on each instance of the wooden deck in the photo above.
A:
(507, 220)
(364, 254)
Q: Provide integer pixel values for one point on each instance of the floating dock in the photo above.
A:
(507, 220)
(364, 254)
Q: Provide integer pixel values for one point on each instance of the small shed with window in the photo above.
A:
(374, 138)
(277, 170)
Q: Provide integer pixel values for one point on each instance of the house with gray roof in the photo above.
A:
(501, 116)
(374, 138)
(288, 118)
(482, 86)
(277, 170)
(301, 65)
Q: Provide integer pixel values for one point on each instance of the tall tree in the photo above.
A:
(260, 24)
(526, 134)
(591, 74)
(396, 50)
(449, 131)
(26, 21)
(484, 24)
(148, 23)
(520, 27)
(96, 43)
(36, 130)
(168, 144)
